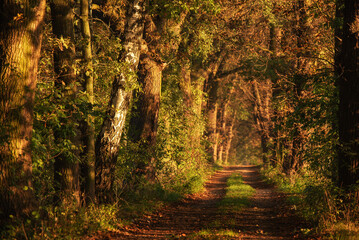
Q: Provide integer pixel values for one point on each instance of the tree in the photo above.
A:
(160, 40)
(349, 97)
(301, 66)
(66, 166)
(20, 43)
(262, 117)
(108, 141)
(89, 129)
(212, 86)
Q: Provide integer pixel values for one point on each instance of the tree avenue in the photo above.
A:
(124, 105)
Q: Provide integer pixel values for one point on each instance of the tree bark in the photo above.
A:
(262, 116)
(230, 136)
(223, 130)
(20, 43)
(144, 115)
(349, 98)
(66, 166)
(89, 130)
(301, 65)
(108, 141)
(212, 86)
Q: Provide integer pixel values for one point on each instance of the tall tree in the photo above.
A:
(212, 86)
(301, 65)
(20, 44)
(66, 166)
(89, 129)
(262, 115)
(144, 114)
(108, 141)
(349, 97)
(161, 39)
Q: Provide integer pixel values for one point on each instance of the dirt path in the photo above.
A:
(268, 217)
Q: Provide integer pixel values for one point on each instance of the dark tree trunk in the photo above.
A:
(108, 141)
(66, 166)
(349, 97)
(20, 43)
(143, 124)
(144, 115)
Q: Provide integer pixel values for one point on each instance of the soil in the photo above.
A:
(267, 217)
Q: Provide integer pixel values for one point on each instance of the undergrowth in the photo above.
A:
(320, 202)
(70, 222)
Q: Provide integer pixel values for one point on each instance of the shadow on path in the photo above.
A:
(268, 217)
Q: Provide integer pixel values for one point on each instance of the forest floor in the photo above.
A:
(267, 217)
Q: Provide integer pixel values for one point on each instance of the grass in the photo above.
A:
(237, 195)
(214, 234)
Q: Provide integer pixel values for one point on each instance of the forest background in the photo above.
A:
(108, 104)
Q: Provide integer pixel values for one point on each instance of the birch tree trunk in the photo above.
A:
(108, 141)
(20, 43)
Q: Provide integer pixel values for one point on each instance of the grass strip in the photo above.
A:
(237, 195)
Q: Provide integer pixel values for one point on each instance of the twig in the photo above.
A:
(23, 229)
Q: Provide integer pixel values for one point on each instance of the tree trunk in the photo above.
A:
(222, 130)
(20, 44)
(230, 136)
(185, 85)
(144, 114)
(108, 141)
(212, 130)
(211, 88)
(66, 166)
(89, 129)
(349, 98)
(272, 95)
(303, 41)
(262, 116)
